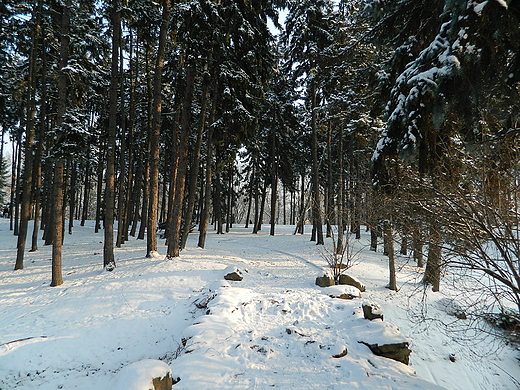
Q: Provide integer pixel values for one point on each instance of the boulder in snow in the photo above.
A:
(397, 351)
(324, 281)
(233, 273)
(371, 311)
(145, 374)
(351, 281)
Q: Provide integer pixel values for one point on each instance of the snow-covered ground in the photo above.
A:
(273, 329)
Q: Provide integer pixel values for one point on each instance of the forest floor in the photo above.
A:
(273, 329)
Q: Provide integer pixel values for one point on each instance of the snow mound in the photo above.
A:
(139, 375)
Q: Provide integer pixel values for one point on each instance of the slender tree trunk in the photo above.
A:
(204, 219)
(329, 207)
(301, 221)
(274, 180)
(417, 244)
(123, 182)
(250, 198)
(72, 197)
(109, 262)
(432, 273)
(262, 205)
(257, 209)
(58, 209)
(389, 245)
(48, 209)
(86, 191)
(15, 187)
(39, 150)
(229, 200)
(57, 241)
(145, 206)
(99, 188)
(316, 208)
(404, 242)
(339, 217)
(195, 163)
(151, 244)
(29, 142)
(180, 182)
(131, 131)
(217, 203)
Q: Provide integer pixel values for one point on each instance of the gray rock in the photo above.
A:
(324, 281)
(351, 281)
(399, 352)
(371, 311)
(234, 275)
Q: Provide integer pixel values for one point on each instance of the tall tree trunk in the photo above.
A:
(86, 191)
(229, 208)
(39, 149)
(180, 179)
(417, 244)
(301, 220)
(15, 186)
(274, 179)
(217, 203)
(432, 272)
(151, 242)
(262, 206)
(250, 198)
(389, 248)
(99, 187)
(257, 209)
(204, 218)
(109, 262)
(145, 206)
(404, 242)
(329, 206)
(72, 197)
(339, 216)
(316, 208)
(131, 132)
(59, 167)
(29, 141)
(195, 163)
(123, 182)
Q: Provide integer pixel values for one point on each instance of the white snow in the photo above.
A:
(274, 329)
(140, 375)
(479, 6)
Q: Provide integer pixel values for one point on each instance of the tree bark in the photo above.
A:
(99, 189)
(151, 243)
(72, 194)
(195, 163)
(389, 248)
(417, 244)
(180, 178)
(432, 273)
(339, 216)
(25, 214)
(58, 209)
(108, 248)
(204, 218)
(316, 208)
(274, 179)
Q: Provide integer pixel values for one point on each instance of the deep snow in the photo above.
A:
(273, 329)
